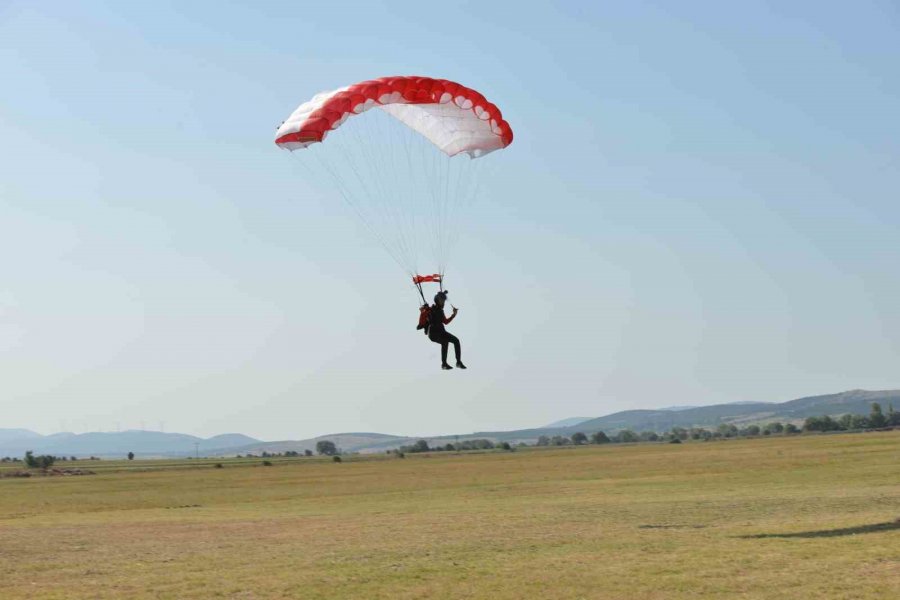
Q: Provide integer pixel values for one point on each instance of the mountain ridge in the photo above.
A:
(145, 444)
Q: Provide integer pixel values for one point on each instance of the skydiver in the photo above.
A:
(439, 335)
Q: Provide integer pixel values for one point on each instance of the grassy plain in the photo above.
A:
(797, 517)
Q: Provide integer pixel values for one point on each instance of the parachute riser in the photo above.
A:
(418, 280)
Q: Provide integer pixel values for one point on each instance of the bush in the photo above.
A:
(479, 444)
(860, 422)
(219, 465)
(775, 427)
(675, 441)
(579, 438)
(727, 430)
(326, 447)
(599, 438)
(267, 463)
(44, 461)
(680, 432)
(876, 417)
(893, 417)
(336, 459)
(627, 436)
(751, 430)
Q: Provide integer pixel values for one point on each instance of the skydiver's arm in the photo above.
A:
(451, 317)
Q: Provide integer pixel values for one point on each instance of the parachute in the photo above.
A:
(408, 169)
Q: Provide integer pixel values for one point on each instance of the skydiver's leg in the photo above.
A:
(444, 343)
(444, 340)
(456, 346)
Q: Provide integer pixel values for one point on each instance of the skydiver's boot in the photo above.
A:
(447, 367)
(459, 365)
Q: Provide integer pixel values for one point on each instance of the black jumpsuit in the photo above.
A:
(439, 335)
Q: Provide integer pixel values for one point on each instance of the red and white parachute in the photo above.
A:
(395, 166)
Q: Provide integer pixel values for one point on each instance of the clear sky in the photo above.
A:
(700, 206)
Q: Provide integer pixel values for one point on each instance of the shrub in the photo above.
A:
(599, 438)
(479, 444)
(336, 459)
(860, 422)
(876, 417)
(775, 427)
(626, 436)
(698, 433)
(727, 430)
(218, 465)
(44, 461)
(267, 463)
(893, 417)
(326, 447)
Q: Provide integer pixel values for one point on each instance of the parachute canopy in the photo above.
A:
(403, 169)
(451, 116)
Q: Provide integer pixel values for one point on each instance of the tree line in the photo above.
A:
(479, 444)
(41, 461)
(876, 419)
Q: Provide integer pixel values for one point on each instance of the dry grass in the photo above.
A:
(646, 521)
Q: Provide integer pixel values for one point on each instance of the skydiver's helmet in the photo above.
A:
(442, 295)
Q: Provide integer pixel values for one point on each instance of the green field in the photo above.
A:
(797, 517)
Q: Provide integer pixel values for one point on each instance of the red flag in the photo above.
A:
(435, 278)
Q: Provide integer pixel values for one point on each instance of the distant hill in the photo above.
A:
(108, 444)
(744, 413)
(145, 444)
(228, 440)
(13, 435)
(348, 442)
(740, 413)
(570, 422)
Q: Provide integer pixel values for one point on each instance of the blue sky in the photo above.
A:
(700, 206)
